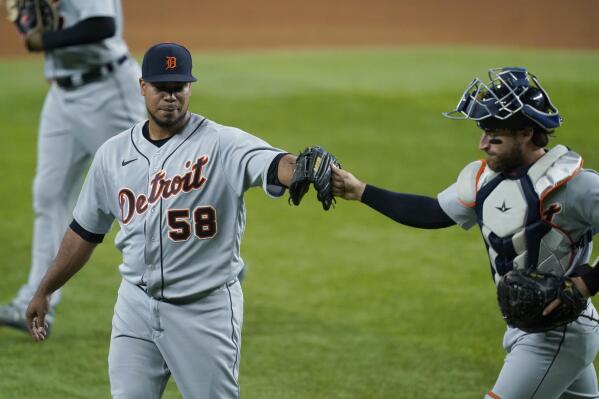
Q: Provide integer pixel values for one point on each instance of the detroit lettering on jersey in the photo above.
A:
(161, 187)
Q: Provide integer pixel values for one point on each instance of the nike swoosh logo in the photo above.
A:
(124, 163)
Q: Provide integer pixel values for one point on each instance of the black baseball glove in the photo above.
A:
(30, 15)
(523, 296)
(313, 165)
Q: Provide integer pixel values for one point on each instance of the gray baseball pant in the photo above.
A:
(197, 342)
(557, 364)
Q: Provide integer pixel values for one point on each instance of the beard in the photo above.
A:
(507, 161)
(167, 122)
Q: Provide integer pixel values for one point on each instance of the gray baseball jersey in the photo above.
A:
(180, 207)
(181, 214)
(559, 362)
(74, 122)
(71, 60)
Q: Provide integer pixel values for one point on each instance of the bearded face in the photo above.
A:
(504, 150)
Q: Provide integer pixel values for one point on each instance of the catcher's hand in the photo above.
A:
(346, 185)
(523, 297)
(313, 165)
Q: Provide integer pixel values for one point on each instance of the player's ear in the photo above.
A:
(142, 87)
(526, 133)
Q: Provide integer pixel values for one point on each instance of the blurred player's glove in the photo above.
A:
(31, 15)
(523, 296)
(313, 165)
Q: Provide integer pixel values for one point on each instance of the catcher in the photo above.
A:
(537, 209)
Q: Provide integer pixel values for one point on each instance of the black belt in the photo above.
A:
(92, 75)
(185, 300)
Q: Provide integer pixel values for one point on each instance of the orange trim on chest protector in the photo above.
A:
(493, 395)
(478, 175)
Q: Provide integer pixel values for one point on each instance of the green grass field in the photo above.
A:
(342, 304)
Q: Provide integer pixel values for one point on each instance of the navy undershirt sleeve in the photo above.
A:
(89, 30)
(412, 210)
(86, 235)
(272, 177)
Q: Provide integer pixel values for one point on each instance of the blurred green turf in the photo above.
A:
(343, 304)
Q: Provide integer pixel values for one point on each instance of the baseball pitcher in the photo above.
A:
(175, 184)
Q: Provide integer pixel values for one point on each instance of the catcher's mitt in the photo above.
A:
(29, 15)
(523, 296)
(313, 165)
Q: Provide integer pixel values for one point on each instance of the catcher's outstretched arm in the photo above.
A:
(408, 209)
(411, 210)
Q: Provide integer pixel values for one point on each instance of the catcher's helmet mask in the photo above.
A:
(512, 91)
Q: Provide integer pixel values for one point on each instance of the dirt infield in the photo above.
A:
(234, 24)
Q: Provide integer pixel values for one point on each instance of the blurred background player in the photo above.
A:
(536, 208)
(93, 95)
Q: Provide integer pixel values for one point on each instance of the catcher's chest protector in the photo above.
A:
(515, 221)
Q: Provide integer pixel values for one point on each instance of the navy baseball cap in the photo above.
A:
(167, 62)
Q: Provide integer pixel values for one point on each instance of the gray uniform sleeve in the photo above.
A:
(451, 205)
(246, 160)
(583, 197)
(92, 210)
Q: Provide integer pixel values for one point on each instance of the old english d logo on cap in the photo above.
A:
(167, 62)
(171, 62)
